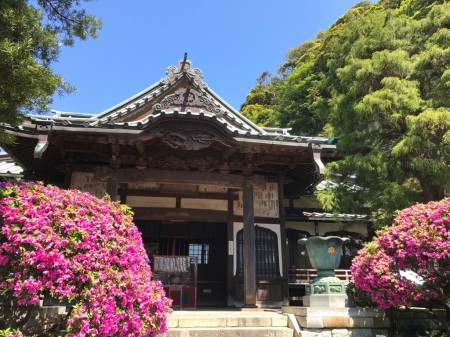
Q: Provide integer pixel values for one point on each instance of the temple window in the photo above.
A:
(267, 256)
(201, 251)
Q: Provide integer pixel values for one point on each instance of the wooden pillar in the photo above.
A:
(111, 188)
(249, 249)
(284, 247)
(231, 252)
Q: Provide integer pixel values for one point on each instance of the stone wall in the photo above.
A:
(420, 322)
(344, 333)
(35, 320)
(368, 322)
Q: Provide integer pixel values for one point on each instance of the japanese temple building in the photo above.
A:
(203, 182)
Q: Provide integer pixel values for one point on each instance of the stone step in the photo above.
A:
(228, 323)
(230, 332)
(193, 321)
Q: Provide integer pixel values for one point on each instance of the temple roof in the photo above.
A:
(8, 168)
(182, 92)
(178, 113)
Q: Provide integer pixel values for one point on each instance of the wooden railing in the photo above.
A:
(304, 276)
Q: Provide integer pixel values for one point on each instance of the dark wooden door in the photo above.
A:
(206, 240)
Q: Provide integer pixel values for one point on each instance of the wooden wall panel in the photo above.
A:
(135, 201)
(215, 205)
(86, 182)
(265, 202)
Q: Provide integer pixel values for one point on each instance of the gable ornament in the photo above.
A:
(187, 98)
(184, 67)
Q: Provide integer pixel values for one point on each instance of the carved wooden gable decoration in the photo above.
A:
(182, 92)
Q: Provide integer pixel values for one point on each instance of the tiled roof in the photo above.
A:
(157, 115)
(164, 100)
(8, 167)
(299, 214)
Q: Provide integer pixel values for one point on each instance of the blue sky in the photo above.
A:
(232, 42)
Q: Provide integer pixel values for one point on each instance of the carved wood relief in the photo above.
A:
(185, 139)
(187, 98)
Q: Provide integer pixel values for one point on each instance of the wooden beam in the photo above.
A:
(249, 249)
(179, 214)
(284, 248)
(185, 177)
(231, 252)
(111, 188)
(258, 219)
(198, 195)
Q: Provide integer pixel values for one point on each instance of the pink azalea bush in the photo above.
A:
(80, 249)
(409, 262)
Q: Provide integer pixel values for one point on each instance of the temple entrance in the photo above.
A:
(205, 240)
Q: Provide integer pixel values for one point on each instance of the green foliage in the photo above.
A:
(10, 333)
(260, 114)
(259, 104)
(359, 297)
(68, 19)
(300, 100)
(378, 79)
(30, 40)
(390, 109)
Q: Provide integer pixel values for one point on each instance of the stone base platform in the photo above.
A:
(331, 322)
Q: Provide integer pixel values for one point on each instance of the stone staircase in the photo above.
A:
(228, 323)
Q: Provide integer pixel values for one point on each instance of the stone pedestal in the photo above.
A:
(325, 301)
(325, 285)
(326, 292)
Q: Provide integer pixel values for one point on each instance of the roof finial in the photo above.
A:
(184, 62)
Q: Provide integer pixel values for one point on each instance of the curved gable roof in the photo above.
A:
(180, 111)
(181, 92)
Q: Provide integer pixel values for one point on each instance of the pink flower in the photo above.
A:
(408, 262)
(84, 250)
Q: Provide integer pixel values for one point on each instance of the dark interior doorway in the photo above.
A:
(205, 240)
